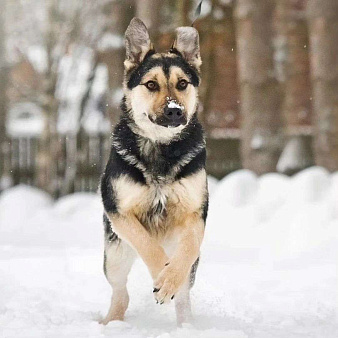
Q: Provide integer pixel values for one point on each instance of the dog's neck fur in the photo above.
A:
(159, 162)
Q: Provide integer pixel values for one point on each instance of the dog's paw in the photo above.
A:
(104, 321)
(108, 319)
(168, 283)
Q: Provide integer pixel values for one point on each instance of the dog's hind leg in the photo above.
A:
(182, 298)
(118, 260)
(183, 305)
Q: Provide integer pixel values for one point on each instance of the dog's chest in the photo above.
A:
(153, 210)
(151, 204)
(157, 205)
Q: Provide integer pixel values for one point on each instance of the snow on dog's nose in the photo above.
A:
(174, 114)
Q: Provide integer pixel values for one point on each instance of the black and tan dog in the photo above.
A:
(154, 188)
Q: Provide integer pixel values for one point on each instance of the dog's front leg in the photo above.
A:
(176, 272)
(133, 232)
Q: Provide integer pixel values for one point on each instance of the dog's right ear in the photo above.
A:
(137, 43)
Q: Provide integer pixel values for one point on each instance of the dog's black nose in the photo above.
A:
(173, 113)
(172, 117)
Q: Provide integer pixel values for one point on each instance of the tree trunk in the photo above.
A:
(149, 11)
(47, 158)
(183, 8)
(3, 87)
(219, 95)
(323, 27)
(297, 100)
(294, 74)
(260, 92)
(119, 13)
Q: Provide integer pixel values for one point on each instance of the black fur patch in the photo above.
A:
(109, 234)
(136, 75)
(193, 273)
(205, 209)
(104, 263)
(197, 163)
(107, 193)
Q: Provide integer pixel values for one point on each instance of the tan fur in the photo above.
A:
(154, 102)
(129, 228)
(190, 233)
(159, 55)
(145, 104)
(182, 198)
(188, 98)
(121, 257)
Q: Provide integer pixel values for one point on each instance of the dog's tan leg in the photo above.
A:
(133, 232)
(176, 273)
(119, 257)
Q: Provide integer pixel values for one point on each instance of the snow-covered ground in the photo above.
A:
(268, 267)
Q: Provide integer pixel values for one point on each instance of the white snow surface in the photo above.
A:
(268, 264)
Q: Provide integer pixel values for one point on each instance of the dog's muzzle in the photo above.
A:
(172, 118)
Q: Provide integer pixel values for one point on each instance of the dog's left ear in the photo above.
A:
(187, 43)
(137, 43)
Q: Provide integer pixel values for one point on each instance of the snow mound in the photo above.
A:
(237, 189)
(274, 218)
(20, 203)
(28, 217)
(272, 192)
(25, 197)
(310, 185)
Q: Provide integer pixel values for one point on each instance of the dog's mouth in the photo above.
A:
(166, 122)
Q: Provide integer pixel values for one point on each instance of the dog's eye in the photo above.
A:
(182, 84)
(152, 85)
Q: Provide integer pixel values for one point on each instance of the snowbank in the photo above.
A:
(268, 267)
(274, 216)
(29, 218)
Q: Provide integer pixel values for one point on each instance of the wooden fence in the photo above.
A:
(82, 159)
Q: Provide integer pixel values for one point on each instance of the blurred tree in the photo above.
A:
(323, 27)
(2, 84)
(48, 146)
(118, 14)
(149, 11)
(293, 36)
(69, 31)
(4, 146)
(182, 9)
(292, 57)
(219, 94)
(260, 92)
(219, 90)
(206, 29)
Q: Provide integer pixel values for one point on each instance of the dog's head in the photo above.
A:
(161, 88)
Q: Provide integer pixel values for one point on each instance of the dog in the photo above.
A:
(154, 188)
